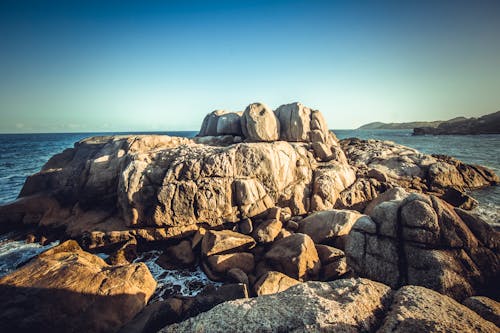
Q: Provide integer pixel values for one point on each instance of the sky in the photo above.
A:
(86, 66)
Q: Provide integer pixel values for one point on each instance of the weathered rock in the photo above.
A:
(325, 225)
(420, 240)
(295, 122)
(328, 254)
(295, 256)
(485, 307)
(125, 254)
(245, 226)
(411, 169)
(229, 123)
(334, 270)
(238, 275)
(224, 241)
(259, 123)
(273, 282)
(267, 231)
(155, 316)
(396, 193)
(360, 194)
(352, 305)
(180, 255)
(66, 289)
(211, 296)
(108, 190)
(222, 263)
(417, 309)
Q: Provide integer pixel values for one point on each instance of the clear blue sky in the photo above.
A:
(162, 65)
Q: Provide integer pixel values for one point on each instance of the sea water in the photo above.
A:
(24, 154)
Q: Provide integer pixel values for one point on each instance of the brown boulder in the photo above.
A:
(67, 289)
(221, 263)
(259, 123)
(225, 241)
(273, 282)
(295, 256)
(325, 225)
(267, 231)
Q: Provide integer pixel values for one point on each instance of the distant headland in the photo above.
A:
(487, 124)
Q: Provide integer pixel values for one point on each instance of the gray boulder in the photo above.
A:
(352, 305)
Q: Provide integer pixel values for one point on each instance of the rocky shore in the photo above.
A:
(355, 235)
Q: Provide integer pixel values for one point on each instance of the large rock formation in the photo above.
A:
(396, 165)
(107, 190)
(421, 240)
(66, 289)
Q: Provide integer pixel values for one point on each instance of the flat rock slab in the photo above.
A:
(341, 306)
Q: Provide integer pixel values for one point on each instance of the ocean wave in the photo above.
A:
(15, 253)
(174, 282)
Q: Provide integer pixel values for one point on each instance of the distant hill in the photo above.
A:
(409, 125)
(488, 124)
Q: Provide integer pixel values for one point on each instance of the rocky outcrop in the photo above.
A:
(421, 240)
(341, 306)
(406, 167)
(108, 190)
(488, 124)
(67, 289)
(417, 309)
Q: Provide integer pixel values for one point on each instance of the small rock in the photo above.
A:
(238, 275)
(224, 241)
(295, 256)
(126, 254)
(245, 226)
(325, 225)
(273, 282)
(292, 225)
(221, 263)
(267, 231)
(334, 270)
(181, 254)
(328, 254)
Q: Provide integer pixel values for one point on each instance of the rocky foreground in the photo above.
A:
(263, 201)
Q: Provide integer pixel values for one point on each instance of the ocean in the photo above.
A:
(24, 154)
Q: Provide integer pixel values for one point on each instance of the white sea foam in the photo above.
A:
(174, 282)
(15, 253)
